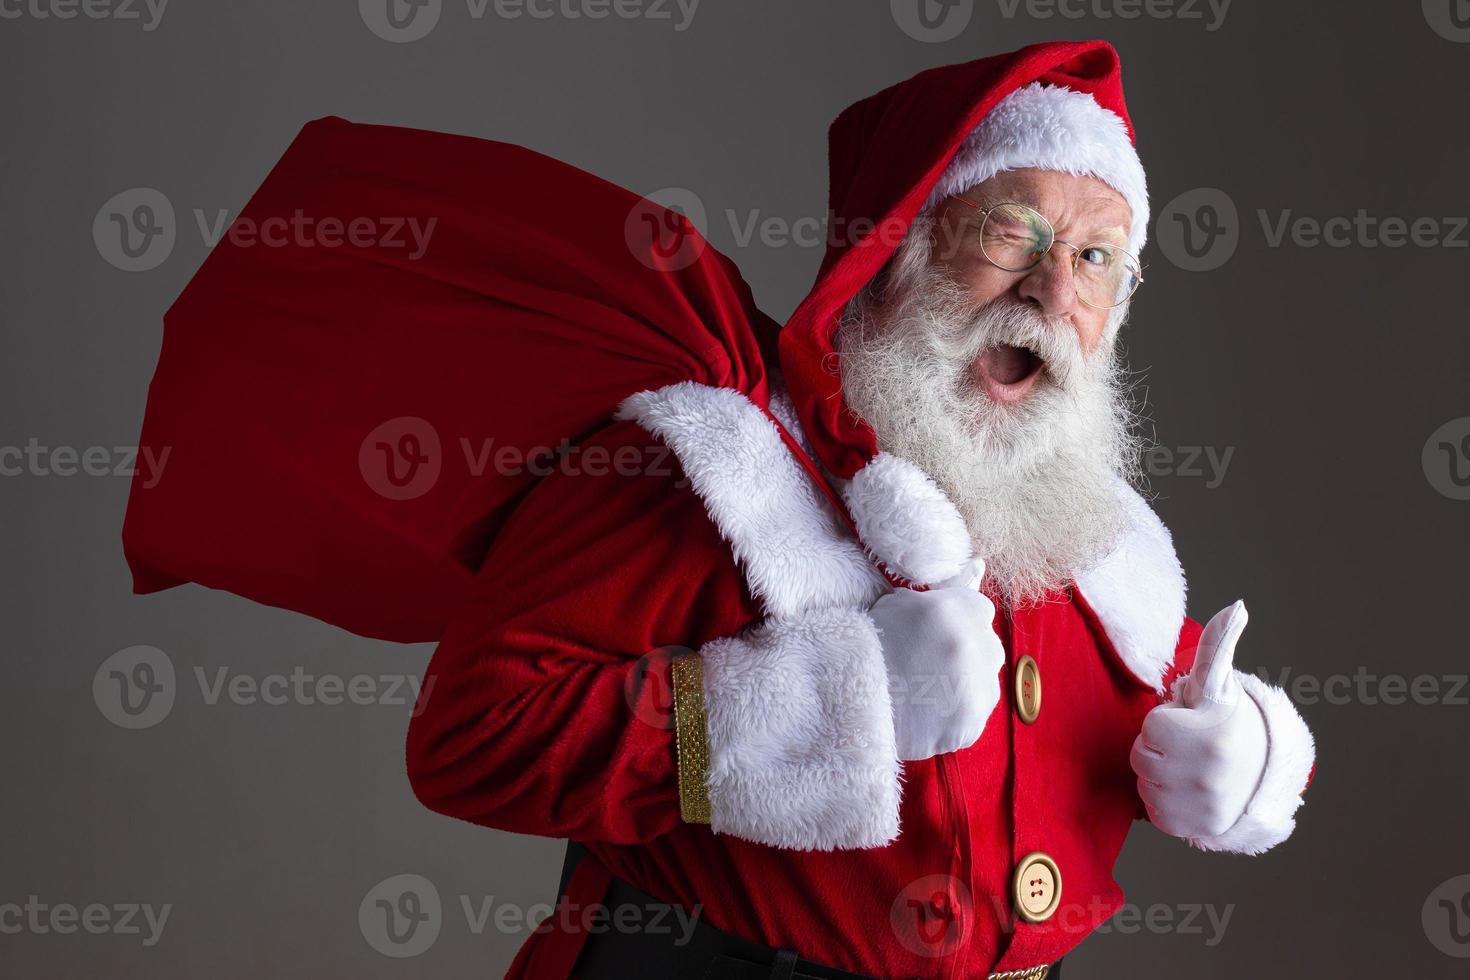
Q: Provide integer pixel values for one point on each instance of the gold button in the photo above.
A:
(1028, 689)
(1037, 887)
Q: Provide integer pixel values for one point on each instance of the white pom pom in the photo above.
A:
(907, 522)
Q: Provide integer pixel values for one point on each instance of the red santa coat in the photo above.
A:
(547, 714)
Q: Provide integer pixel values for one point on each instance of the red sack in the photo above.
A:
(380, 357)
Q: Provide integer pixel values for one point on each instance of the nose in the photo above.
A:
(1049, 286)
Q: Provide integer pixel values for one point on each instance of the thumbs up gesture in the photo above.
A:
(1200, 757)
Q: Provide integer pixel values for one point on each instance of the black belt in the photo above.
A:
(677, 951)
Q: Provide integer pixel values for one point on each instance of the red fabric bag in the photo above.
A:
(349, 421)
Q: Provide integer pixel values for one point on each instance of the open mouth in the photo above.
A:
(1007, 373)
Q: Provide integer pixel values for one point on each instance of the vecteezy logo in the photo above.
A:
(1199, 229)
(400, 21)
(1446, 917)
(135, 230)
(1446, 458)
(135, 688)
(1450, 19)
(401, 458)
(648, 690)
(932, 916)
(665, 230)
(400, 916)
(932, 21)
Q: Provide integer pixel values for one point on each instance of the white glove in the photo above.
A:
(943, 660)
(1200, 758)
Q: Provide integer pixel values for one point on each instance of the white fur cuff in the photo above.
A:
(1270, 816)
(801, 743)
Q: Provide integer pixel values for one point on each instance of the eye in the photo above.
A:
(1096, 255)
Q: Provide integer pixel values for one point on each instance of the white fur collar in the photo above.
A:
(1138, 593)
(798, 555)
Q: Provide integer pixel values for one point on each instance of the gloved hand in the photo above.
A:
(943, 660)
(1200, 758)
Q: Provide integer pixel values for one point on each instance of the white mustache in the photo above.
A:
(1002, 321)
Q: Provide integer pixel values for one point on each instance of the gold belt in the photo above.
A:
(1030, 973)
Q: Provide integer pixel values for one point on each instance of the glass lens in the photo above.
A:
(1014, 237)
(1106, 275)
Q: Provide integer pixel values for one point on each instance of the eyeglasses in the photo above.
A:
(1016, 238)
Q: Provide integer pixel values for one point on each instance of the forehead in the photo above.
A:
(1069, 201)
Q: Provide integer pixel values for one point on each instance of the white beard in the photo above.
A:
(1036, 481)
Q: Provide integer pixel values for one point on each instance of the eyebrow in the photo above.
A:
(1121, 240)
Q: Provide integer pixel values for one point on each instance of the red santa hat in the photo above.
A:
(1051, 127)
(893, 155)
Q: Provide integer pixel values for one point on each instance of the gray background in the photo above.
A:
(1325, 370)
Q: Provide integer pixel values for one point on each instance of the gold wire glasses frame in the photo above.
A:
(1119, 278)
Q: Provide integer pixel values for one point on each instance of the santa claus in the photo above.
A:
(932, 658)
(843, 648)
